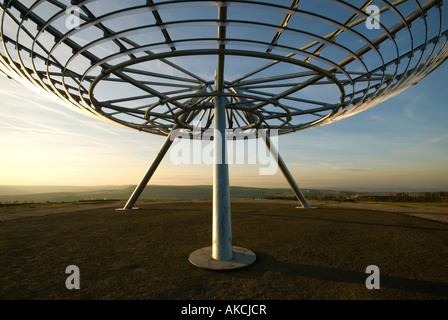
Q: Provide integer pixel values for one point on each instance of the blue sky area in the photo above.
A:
(401, 144)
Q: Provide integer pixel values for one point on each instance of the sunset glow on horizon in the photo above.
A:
(402, 144)
(96, 87)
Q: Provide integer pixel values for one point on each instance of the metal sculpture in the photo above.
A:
(160, 66)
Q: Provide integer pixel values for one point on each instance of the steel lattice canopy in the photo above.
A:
(289, 65)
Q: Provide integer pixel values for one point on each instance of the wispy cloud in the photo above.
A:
(27, 113)
(442, 138)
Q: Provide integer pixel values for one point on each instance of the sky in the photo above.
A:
(398, 145)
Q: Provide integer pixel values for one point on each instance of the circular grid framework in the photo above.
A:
(288, 65)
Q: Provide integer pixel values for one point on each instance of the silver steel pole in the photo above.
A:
(141, 186)
(222, 229)
(222, 248)
(295, 188)
(221, 255)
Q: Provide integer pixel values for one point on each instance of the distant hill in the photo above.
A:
(67, 193)
(40, 194)
(21, 190)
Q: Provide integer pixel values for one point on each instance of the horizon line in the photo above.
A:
(340, 189)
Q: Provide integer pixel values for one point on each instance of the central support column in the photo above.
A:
(222, 255)
(222, 226)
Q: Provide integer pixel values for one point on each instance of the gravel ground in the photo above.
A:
(318, 254)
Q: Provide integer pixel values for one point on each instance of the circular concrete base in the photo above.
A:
(307, 208)
(202, 258)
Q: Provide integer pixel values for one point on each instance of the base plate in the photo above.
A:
(202, 258)
(124, 209)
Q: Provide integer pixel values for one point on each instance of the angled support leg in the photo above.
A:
(141, 186)
(295, 188)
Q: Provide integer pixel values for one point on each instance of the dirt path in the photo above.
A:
(14, 213)
(434, 213)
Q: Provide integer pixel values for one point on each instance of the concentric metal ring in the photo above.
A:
(288, 65)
